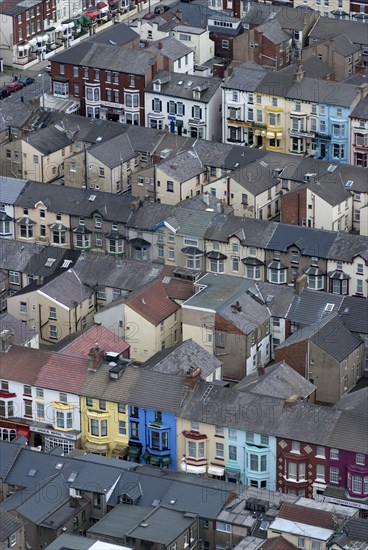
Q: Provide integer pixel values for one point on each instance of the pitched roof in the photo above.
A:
(245, 77)
(301, 514)
(10, 189)
(8, 524)
(181, 86)
(277, 543)
(252, 314)
(278, 298)
(170, 47)
(252, 232)
(99, 384)
(354, 313)
(311, 242)
(335, 339)
(273, 31)
(22, 332)
(67, 289)
(183, 356)
(153, 303)
(22, 364)
(119, 33)
(346, 246)
(189, 222)
(113, 152)
(106, 56)
(182, 167)
(62, 372)
(310, 307)
(361, 109)
(105, 338)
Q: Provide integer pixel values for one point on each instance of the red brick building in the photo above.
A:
(107, 80)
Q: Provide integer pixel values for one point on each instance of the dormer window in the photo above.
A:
(157, 86)
(196, 93)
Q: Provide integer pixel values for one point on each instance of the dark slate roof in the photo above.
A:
(354, 313)
(274, 32)
(350, 431)
(67, 289)
(9, 454)
(306, 333)
(309, 307)
(158, 391)
(8, 525)
(10, 188)
(170, 47)
(112, 272)
(183, 166)
(346, 246)
(99, 384)
(180, 358)
(48, 140)
(311, 242)
(190, 222)
(335, 339)
(150, 215)
(119, 33)
(171, 86)
(277, 298)
(354, 402)
(327, 27)
(361, 110)
(252, 314)
(250, 231)
(103, 56)
(279, 380)
(22, 332)
(258, 176)
(77, 202)
(344, 46)
(245, 77)
(114, 151)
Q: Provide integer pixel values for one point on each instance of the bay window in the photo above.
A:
(356, 484)
(26, 231)
(64, 420)
(257, 463)
(5, 227)
(92, 93)
(131, 101)
(195, 449)
(82, 241)
(277, 276)
(61, 89)
(316, 282)
(193, 262)
(217, 266)
(253, 272)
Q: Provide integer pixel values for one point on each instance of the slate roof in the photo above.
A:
(252, 314)
(22, 364)
(22, 332)
(327, 27)
(113, 152)
(354, 534)
(355, 402)
(189, 222)
(171, 86)
(354, 313)
(157, 391)
(150, 215)
(309, 306)
(120, 33)
(10, 189)
(8, 525)
(258, 176)
(311, 242)
(178, 359)
(313, 67)
(103, 56)
(183, 167)
(77, 202)
(280, 297)
(170, 47)
(245, 77)
(361, 109)
(250, 231)
(111, 272)
(105, 338)
(274, 32)
(99, 384)
(280, 380)
(153, 303)
(67, 289)
(350, 431)
(346, 246)
(344, 46)
(48, 140)
(16, 256)
(219, 291)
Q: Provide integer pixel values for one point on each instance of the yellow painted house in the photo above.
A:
(104, 409)
(269, 119)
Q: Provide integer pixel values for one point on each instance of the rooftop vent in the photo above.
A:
(332, 168)
(72, 477)
(32, 472)
(349, 184)
(165, 153)
(66, 263)
(263, 163)
(144, 524)
(58, 466)
(329, 307)
(91, 198)
(308, 178)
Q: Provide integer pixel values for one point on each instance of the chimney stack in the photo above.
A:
(290, 401)
(39, 281)
(261, 369)
(179, 14)
(95, 355)
(159, 45)
(300, 283)
(193, 376)
(299, 74)
(7, 338)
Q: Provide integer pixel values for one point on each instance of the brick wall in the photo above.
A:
(294, 355)
(293, 207)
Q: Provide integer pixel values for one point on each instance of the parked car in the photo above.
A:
(26, 80)
(149, 16)
(13, 86)
(4, 93)
(161, 9)
(48, 69)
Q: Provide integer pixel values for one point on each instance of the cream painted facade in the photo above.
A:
(145, 338)
(325, 9)
(52, 320)
(323, 215)
(300, 534)
(149, 30)
(198, 40)
(363, 213)
(356, 275)
(43, 226)
(300, 126)
(180, 190)
(201, 448)
(235, 252)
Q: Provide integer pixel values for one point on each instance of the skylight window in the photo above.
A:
(329, 307)
(349, 183)
(49, 262)
(66, 263)
(332, 168)
(92, 198)
(72, 476)
(59, 465)
(32, 472)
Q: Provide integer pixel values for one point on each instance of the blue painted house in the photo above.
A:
(333, 131)
(251, 459)
(154, 403)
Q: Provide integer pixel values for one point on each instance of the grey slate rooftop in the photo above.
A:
(354, 313)
(219, 291)
(310, 307)
(67, 289)
(252, 314)
(119, 34)
(183, 167)
(10, 188)
(311, 242)
(180, 358)
(245, 77)
(8, 525)
(114, 151)
(278, 298)
(170, 47)
(251, 232)
(177, 85)
(361, 109)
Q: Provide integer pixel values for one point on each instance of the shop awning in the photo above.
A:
(23, 431)
(78, 22)
(194, 469)
(85, 20)
(166, 460)
(155, 460)
(96, 447)
(120, 450)
(216, 470)
(134, 452)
